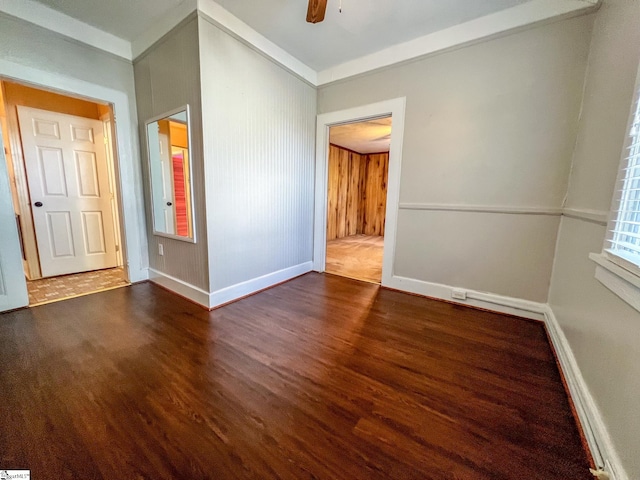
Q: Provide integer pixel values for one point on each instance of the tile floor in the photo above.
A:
(53, 289)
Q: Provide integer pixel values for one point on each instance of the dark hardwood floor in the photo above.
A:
(319, 378)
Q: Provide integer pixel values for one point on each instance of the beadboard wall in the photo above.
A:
(259, 140)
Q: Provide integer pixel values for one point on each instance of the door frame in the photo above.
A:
(394, 107)
(127, 155)
(12, 294)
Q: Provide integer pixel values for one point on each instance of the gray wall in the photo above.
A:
(167, 77)
(259, 138)
(492, 124)
(603, 331)
(32, 46)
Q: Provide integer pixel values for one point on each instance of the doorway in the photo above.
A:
(357, 198)
(62, 175)
(394, 110)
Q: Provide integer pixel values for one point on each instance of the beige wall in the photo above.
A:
(492, 124)
(167, 77)
(603, 331)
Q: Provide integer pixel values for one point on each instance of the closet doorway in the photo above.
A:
(358, 169)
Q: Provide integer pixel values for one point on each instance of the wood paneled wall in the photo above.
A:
(357, 193)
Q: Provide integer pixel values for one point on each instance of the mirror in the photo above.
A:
(168, 144)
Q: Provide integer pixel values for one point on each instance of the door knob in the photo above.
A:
(38, 204)
(168, 204)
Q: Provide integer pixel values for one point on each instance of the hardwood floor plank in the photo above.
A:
(320, 378)
(356, 256)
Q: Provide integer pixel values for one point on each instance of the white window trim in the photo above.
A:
(620, 281)
(615, 272)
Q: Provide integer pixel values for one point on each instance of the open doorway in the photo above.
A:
(396, 109)
(358, 168)
(60, 158)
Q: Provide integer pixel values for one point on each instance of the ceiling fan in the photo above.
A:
(316, 10)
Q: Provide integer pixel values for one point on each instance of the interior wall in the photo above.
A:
(357, 193)
(602, 330)
(489, 132)
(259, 139)
(35, 49)
(167, 77)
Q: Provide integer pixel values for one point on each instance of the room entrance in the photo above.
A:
(60, 159)
(394, 110)
(358, 167)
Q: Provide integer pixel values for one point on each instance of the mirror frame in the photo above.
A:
(163, 116)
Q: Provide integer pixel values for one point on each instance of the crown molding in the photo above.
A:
(506, 21)
(45, 17)
(161, 26)
(531, 13)
(232, 24)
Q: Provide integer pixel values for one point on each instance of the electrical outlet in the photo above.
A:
(160, 249)
(458, 294)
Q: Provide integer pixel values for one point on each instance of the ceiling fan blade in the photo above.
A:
(316, 10)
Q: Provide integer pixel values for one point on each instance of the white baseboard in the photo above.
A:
(180, 287)
(597, 436)
(239, 290)
(497, 303)
(228, 294)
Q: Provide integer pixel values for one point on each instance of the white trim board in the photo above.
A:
(210, 300)
(395, 108)
(438, 207)
(236, 27)
(534, 12)
(239, 290)
(180, 287)
(128, 161)
(46, 17)
(593, 426)
(599, 217)
(161, 26)
(489, 301)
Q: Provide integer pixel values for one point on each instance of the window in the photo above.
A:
(619, 264)
(623, 239)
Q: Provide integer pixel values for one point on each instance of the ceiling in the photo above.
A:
(372, 136)
(126, 19)
(363, 27)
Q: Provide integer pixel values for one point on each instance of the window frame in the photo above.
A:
(618, 272)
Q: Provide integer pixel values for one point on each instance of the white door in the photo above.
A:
(68, 182)
(13, 285)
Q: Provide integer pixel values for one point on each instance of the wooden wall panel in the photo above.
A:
(353, 200)
(332, 193)
(374, 198)
(343, 198)
(357, 193)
